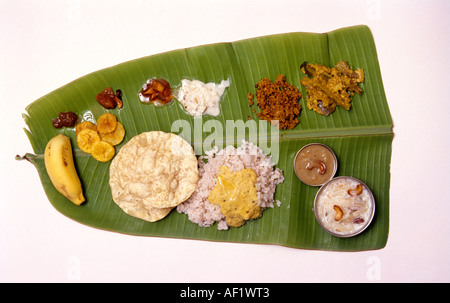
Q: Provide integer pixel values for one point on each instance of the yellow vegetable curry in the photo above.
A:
(329, 87)
(236, 194)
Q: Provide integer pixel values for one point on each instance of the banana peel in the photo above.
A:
(58, 158)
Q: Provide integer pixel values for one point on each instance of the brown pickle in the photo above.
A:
(65, 119)
(109, 100)
(156, 90)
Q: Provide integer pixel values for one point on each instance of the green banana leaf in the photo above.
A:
(361, 138)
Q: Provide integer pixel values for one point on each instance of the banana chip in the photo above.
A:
(106, 123)
(86, 139)
(116, 136)
(102, 151)
(99, 140)
(84, 125)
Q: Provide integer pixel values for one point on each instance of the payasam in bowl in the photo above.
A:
(344, 206)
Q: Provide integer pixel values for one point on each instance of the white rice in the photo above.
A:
(248, 155)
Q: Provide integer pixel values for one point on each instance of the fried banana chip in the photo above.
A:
(86, 139)
(102, 151)
(83, 125)
(116, 136)
(106, 123)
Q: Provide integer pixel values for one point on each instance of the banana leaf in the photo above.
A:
(361, 137)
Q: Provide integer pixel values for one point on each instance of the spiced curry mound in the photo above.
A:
(278, 102)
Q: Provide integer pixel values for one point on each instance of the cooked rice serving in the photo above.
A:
(248, 155)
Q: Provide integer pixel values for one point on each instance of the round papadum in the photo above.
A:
(152, 173)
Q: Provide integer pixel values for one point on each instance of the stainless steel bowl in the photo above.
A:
(334, 160)
(366, 224)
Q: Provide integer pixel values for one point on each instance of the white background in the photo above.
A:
(46, 44)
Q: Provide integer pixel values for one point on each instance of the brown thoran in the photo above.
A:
(278, 101)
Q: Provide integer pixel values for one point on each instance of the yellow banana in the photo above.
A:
(61, 169)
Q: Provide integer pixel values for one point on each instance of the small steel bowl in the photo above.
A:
(334, 160)
(358, 231)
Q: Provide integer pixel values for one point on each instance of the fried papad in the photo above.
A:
(152, 173)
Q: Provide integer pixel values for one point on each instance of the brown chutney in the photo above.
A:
(315, 164)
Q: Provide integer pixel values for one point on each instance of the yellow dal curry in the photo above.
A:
(236, 194)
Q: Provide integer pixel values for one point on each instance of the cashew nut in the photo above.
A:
(339, 213)
(321, 167)
(356, 191)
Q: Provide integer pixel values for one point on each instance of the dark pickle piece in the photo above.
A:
(156, 90)
(108, 99)
(65, 119)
